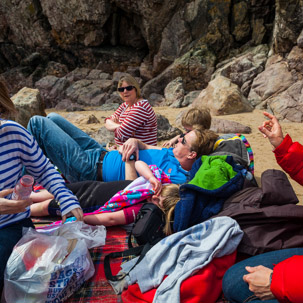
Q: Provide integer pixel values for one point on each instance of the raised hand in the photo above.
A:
(130, 147)
(272, 130)
(157, 185)
(171, 142)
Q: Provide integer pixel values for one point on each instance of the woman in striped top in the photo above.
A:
(18, 148)
(135, 118)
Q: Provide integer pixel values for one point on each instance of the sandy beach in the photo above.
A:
(264, 157)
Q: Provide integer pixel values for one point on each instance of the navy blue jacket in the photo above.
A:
(198, 204)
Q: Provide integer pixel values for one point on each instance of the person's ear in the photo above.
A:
(192, 155)
(155, 199)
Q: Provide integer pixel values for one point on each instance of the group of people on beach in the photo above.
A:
(96, 176)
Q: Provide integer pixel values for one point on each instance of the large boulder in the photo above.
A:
(222, 97)
(190, 98)
(165, 130)
(287, 106)
(52, 89)
(275, 79)
(28, 103)
(295, 62)
(226, 126)
(243, 68)
(103, 136)
(84, 91)
(174, 93)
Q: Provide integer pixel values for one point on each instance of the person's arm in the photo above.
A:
(286, 283)
(289, 154)
(112, 122)
(143, 170)
(130, 170)
(259, 281)
(44, 172)
(171, 142)
(111, 125)
(12, 206)
(41, 196)
(132, 146)
(106, 219)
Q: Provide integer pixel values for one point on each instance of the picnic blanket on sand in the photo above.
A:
(97, 289)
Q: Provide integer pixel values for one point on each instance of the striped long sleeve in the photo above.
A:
(139, 121)
(18, 148)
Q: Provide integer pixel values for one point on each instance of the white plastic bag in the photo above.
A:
(93, 236)
(50, 267)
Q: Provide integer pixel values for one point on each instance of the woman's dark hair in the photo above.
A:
(7, 107)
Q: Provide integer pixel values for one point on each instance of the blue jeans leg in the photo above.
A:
(70, 149)
(83, 139)
(236, 290)
(9, 236)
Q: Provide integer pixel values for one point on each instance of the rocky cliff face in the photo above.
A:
(117, 35)
(43, 43)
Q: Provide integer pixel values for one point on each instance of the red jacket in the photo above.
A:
(286, 282)
(289, 156)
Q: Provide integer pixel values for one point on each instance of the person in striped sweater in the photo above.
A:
(19, 149)
(135, 118)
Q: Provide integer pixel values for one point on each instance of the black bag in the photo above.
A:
(147, 231)
(149, 224)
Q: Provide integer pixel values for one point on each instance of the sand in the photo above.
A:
(264, 157)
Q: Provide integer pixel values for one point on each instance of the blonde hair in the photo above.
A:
(7, 107)
(171, 197)
(131, 81)
(197, 117)
(205, 141)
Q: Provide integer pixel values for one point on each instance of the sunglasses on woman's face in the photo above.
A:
(128, 88)
(183, 139)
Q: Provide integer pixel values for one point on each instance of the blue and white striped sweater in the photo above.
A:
(18, 148)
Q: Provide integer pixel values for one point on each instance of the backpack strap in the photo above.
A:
(130, 245)
(134, 251)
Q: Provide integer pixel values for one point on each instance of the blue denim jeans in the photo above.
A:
(236, 290)
(9, 236)
(73, 151)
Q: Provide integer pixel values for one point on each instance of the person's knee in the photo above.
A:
(54, 117)
(232, 283)
(33, 122)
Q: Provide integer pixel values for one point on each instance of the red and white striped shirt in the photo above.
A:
(138, 122)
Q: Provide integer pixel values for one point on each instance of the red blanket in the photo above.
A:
(97, 289)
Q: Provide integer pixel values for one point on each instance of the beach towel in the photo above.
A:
(137, 191)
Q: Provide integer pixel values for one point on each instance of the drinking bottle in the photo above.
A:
(23, 188)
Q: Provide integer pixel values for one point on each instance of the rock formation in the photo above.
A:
(74, 52)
